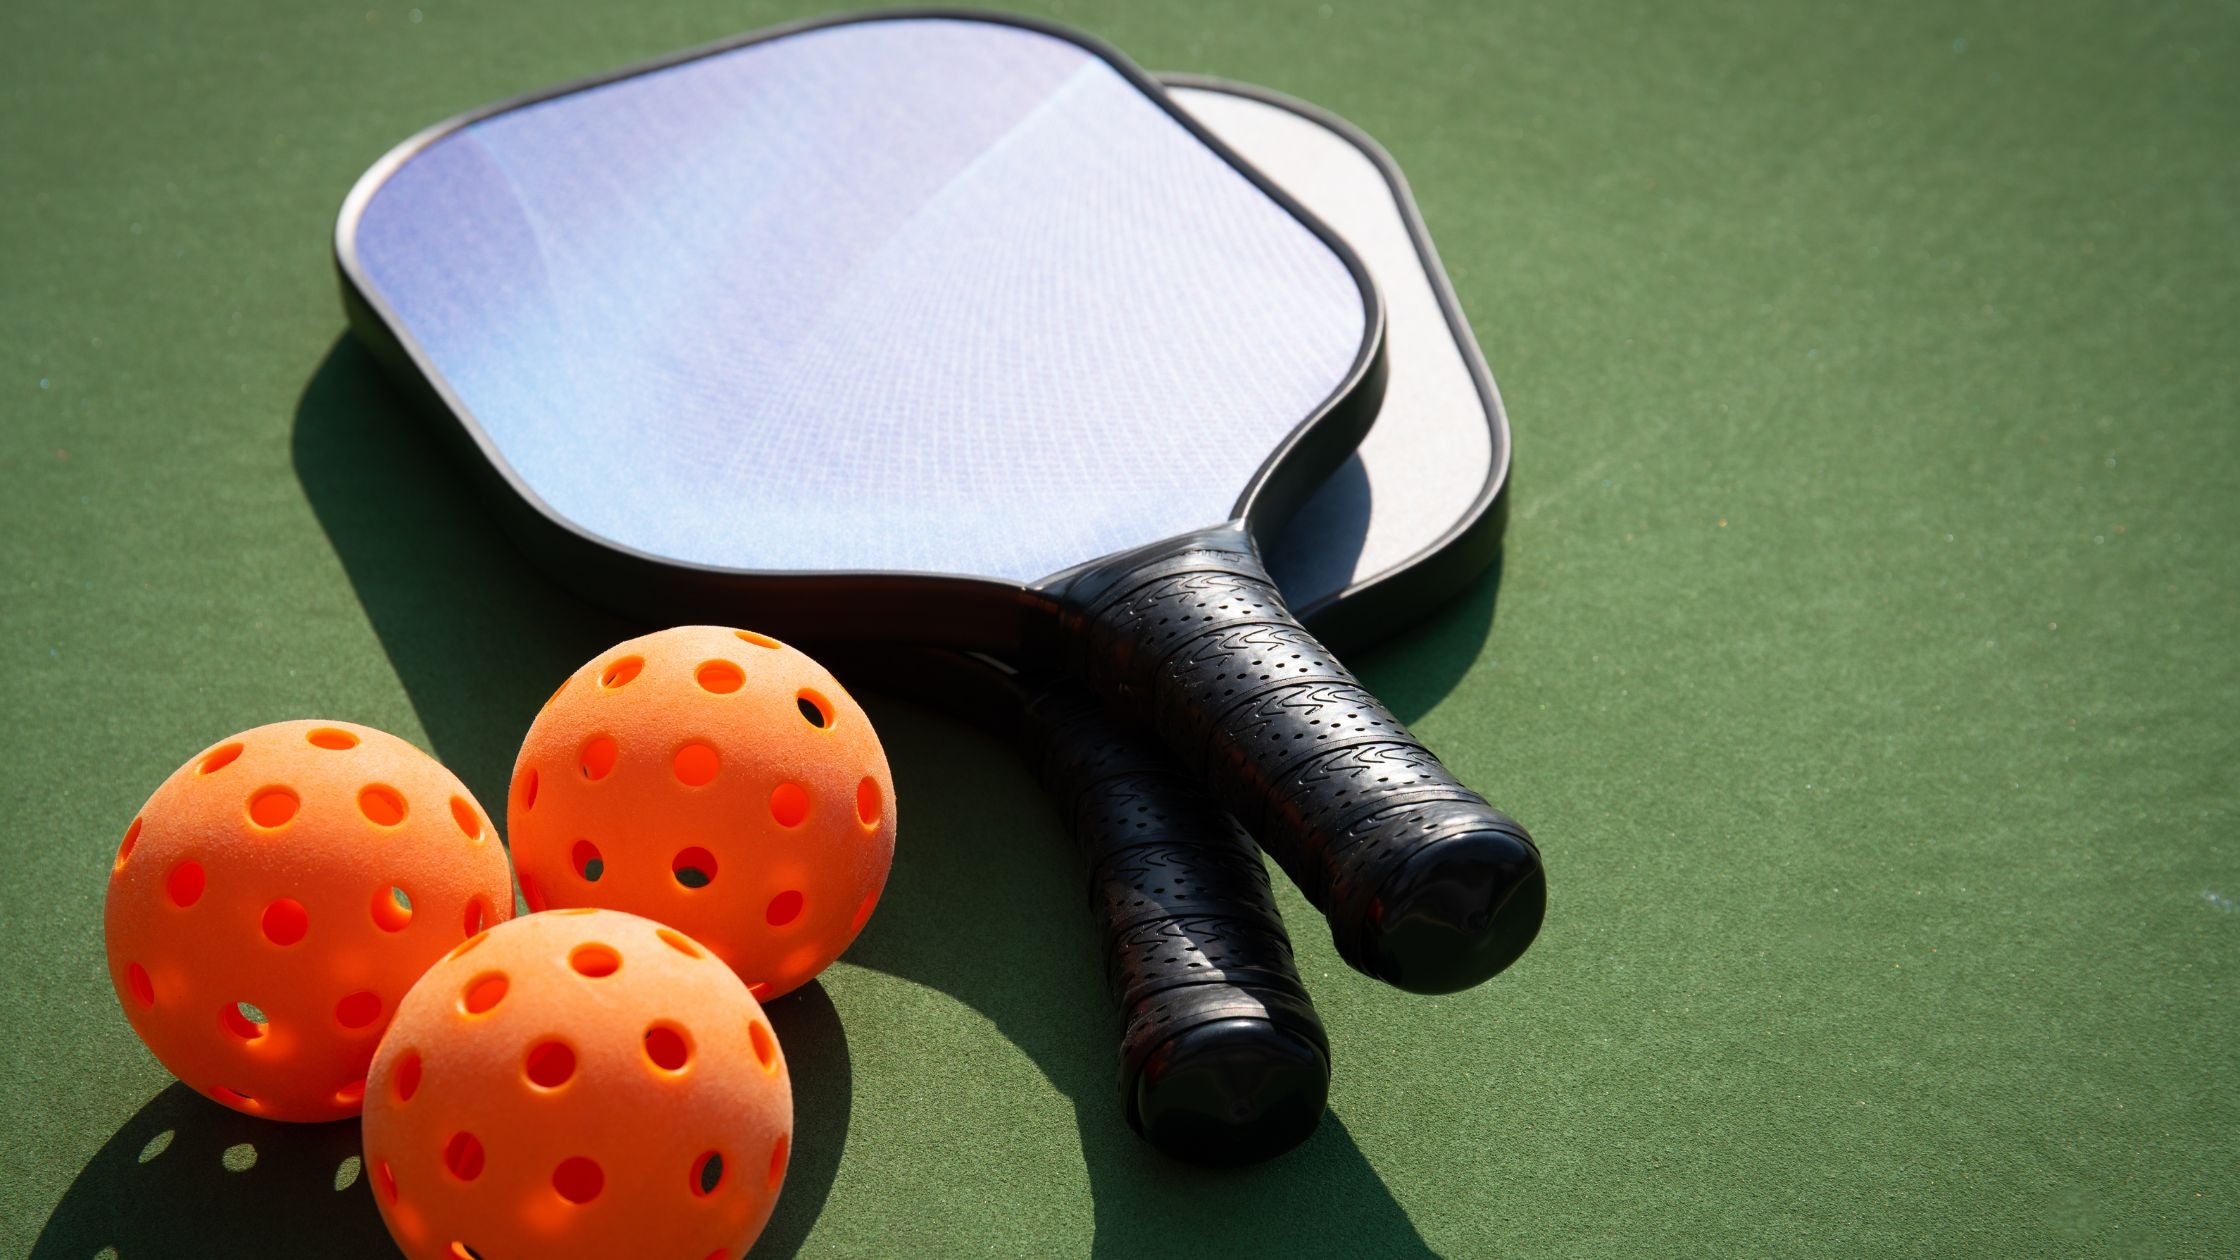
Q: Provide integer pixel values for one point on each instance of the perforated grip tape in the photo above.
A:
(1426, 886)
(1187, 920)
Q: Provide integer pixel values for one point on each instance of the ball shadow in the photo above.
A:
(816, 1050)
(186, 1177)
(477, 637)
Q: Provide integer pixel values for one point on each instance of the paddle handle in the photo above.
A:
(1425, 885)
(1222, 1057)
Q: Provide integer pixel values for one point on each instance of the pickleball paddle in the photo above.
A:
(1222, 1058)
(951, 330)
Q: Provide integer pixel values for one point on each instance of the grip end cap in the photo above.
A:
(1231, 1092)
(1455, 914)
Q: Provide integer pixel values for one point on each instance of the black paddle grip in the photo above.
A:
(1426, 886)
(1222, 1057)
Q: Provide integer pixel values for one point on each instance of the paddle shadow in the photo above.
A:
(1416, 668)
(1319, 548)
(1413, 667)
(1028, 960)
(477, 637)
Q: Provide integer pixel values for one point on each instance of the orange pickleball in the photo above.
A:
(578, 1083)
(717, 781)
(278, 895)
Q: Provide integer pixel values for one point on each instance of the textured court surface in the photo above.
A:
(1867, 653)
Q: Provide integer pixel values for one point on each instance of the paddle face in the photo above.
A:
(902, 295)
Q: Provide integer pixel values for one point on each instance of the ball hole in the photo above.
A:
(759, 640)
(405, 1082)
(578, 1180)
(382, 805)
(694, 867)
(667, 1047)
(696, 765)
(789, 804)
(863, 912)
(329, 738)
(231, 1097)
(595, 961)
(720, 677)
(136, 979)
(783, 908)
(526, 789)
(124, 850)
(351, 1095)
(778, 1160)
(392, 909)
(678, 941)
(470, 824)
(868, 803)
(219, 758)
(462, 1156)
(468, 944)
(621, 672)
(285, 921)
(474, 919)
(598, 758)
(385, 1180)
(550, 1064)
(483, 993)
(530, 896)
(765, 1045)
(585, 858)
(358, 1010)
(243, 1020)
(461, 1251)
(815, 709)
(707, 1173)
(184, 884)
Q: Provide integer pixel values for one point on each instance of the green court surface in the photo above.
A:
(1865, 653)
